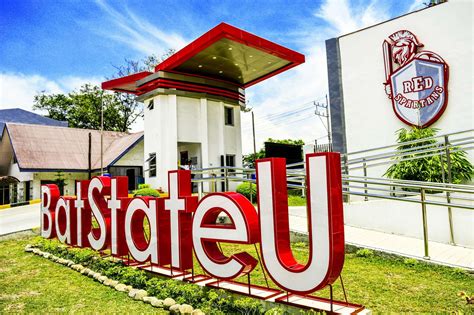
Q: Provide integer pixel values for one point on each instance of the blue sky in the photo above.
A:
(57, 46)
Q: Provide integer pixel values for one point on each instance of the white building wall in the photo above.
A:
(405, 218)
(370, 121)
(195, 125)
(134, 157)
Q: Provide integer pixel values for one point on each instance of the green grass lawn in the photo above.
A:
(386, 283)
(33, 284)
(383, 283)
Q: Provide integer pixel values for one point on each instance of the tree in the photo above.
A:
(60, 181)
(419, 167)
(132, 109)
(249, 159)
(82, 109)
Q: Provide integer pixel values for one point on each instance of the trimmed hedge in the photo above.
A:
(210, 301)
(146, 192)
(248, 189)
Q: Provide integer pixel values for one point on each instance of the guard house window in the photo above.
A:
(151, 164)
(230, 161)
(229, 116)
(151, 105)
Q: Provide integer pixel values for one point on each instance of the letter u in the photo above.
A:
(325, 223)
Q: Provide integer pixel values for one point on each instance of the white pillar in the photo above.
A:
(203, 136)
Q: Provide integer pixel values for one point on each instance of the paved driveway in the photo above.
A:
(19, 218)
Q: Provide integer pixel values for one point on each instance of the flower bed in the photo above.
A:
(173, 295)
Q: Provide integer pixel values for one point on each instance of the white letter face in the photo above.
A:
(141, 249)
(49, 198)
(98, 243)
(79, 204)
(326, 227)
(45, 204)
(114, 204)
(63, 223)
(206, 234)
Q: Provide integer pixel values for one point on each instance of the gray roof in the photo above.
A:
(18, 115)
(59, 148)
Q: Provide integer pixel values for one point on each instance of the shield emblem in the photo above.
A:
(419, 94)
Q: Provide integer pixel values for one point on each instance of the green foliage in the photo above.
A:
(427, 168)
(209, 300)
(411, 262)
(248, 306)
(383, 283)
(82, 109)
(31, 284)
(146, 192)
(286, 141)
(142, 186)
(364, 252)
(276, 311)
(296, 201)
(134, 277)
(60, 181)
(249, 159)
(248, 189)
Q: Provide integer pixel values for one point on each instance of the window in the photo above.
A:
(151, 105)
(230, 160)
(229, 116)
(152, 164)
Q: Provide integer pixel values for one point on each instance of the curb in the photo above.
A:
(18, 204)
(136, 294)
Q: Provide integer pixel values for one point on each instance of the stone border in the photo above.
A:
(136, 294)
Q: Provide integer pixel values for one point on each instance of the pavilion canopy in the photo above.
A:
(224, 53)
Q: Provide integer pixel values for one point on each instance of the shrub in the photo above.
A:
(411, 262)
(428, 168)
(134, 277)
(248, 189)
(364, 252)
(248, 306)
(208, 300)
(146, 192)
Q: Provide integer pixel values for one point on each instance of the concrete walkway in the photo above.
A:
(18, 219)
(439, 253)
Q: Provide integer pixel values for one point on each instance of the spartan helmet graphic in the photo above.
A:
(404, 47)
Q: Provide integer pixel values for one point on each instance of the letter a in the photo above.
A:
(325, 223)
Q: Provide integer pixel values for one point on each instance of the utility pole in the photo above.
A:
(253, 131)
(322, 110)
(328, 116)
(102, 134)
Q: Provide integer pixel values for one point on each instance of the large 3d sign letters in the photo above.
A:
(325, 226)
(98, 188)
(179, 224)
(140, 248)
(206, 234)
(49, 199)
(180, 205)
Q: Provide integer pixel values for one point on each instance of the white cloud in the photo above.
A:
(417, 5)
(307, 82)
(19, 90)
(137, 32)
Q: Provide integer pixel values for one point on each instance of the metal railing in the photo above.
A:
(425, 194)
(441, 145)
